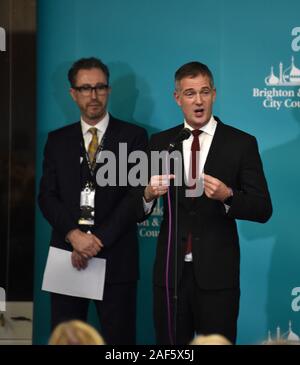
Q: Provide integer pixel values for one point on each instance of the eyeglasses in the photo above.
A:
(86, 90)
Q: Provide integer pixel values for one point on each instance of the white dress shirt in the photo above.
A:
(101, 128)
(205, 139)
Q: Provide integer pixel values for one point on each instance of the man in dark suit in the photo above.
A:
(230, 185)
(88, 219)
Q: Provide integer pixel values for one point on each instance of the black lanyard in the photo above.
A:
(92, 165)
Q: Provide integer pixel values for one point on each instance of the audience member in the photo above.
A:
(75, 332)
(210, 340)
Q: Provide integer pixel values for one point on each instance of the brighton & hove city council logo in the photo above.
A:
(283, 82)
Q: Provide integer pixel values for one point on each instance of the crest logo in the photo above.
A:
(288, 77)
(288, 336)
(283, 83)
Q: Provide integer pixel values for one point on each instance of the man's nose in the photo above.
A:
(94, 94)
(198, 98)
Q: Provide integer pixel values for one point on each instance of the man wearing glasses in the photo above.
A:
(87, 219)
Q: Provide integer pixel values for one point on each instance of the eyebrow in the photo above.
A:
(203, 88)
(98, 84)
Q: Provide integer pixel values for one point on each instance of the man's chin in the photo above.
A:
(198, 122)
(95, 117)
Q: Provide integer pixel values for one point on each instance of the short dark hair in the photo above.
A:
(87, 64)
(193, 69)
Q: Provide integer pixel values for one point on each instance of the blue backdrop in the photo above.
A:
(143, 44)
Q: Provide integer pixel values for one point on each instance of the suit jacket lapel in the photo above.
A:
(182, 187)
(111, 136)
(72, 158)
(110, 143)
(213, 157)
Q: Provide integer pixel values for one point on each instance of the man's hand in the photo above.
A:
(87, 245)
(158, 185)
(216, 189)
(78, 261)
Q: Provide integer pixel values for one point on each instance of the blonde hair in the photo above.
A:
(75, 332)
(210, 340)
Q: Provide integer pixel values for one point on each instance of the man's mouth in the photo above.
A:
(199, 112)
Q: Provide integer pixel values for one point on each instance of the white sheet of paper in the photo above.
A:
(61, 277)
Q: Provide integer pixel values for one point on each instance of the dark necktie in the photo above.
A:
(193, 160)
(193, 169)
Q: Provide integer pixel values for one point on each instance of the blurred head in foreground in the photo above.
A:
(210, 340)
(75, 333)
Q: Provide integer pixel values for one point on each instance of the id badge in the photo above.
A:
(87, 205)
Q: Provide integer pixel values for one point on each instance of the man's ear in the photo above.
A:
(214, 94)
(177, 98)
(73, 94)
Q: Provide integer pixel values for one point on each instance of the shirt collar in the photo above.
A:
(208, 128)
(101, 125)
